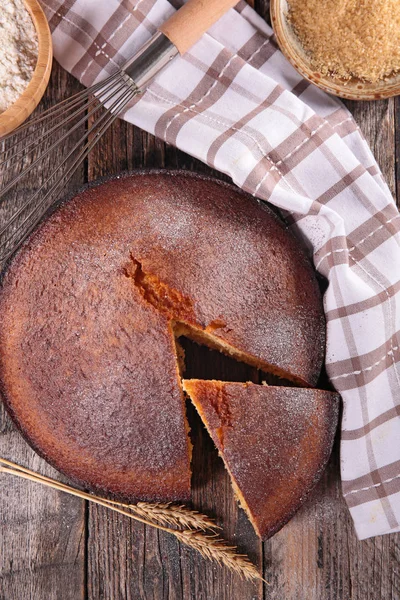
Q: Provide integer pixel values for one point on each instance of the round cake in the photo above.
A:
(93, 303)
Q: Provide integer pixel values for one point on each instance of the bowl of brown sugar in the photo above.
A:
(350, 48)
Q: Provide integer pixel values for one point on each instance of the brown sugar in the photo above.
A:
(349, 38)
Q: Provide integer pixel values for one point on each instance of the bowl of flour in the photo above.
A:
(25, 60)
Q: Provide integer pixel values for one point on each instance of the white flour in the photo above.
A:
(18, 50)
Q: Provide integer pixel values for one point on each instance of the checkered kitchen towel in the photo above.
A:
(236, 104)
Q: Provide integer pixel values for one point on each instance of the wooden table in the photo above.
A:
(56, 547)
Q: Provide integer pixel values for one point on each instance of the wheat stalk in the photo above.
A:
(165, 513)
(209, 546)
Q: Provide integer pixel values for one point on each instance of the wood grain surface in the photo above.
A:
(54, 547)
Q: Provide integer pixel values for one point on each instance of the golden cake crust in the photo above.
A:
(275, 442)
(87, 353)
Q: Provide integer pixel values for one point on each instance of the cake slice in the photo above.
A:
(275, 443)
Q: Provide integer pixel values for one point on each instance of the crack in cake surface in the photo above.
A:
(160, 295)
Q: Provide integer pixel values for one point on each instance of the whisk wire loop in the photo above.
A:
(100, 104)
(119, 100)
(78, 123)
(90, 98)
(60, 107)
(58, 142)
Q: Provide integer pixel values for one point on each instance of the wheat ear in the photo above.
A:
(168, 513)
(216, 549)
(209, 546)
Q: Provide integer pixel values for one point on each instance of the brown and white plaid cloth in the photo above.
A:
(236, 104)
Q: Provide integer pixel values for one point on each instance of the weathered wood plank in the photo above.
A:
(42, 542)
(299, 560)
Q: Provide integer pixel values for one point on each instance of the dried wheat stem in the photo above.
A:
(209, 546)
(17, 467)
(166, 513)
(69, 490)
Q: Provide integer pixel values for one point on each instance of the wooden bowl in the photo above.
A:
(354, 89)
(30, 98)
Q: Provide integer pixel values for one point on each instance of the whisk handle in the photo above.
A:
(195, 17)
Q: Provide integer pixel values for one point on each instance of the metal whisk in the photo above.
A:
(24, 152)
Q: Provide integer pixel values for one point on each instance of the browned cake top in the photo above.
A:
(275, 442)
(89, 374)
(87, 355)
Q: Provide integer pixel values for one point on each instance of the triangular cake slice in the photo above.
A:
(275, 443)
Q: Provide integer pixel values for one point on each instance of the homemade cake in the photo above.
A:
(92, 304)
(274, 441)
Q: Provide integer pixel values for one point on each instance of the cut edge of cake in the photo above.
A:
(179, 367)
(186, 384)
(204, 337)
